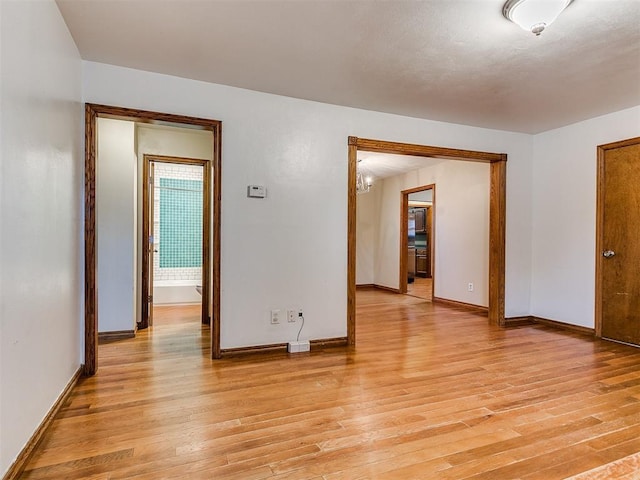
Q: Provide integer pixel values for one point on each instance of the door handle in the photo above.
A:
(608, 253)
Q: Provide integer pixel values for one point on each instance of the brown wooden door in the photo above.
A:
(619, 245)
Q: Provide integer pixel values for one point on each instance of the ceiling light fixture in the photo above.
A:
(534, 15)
(363, 182)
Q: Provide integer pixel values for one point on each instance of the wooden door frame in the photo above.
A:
(602, 150)
(497, 216)
(206, 229)
(92, 112)
(404, 234)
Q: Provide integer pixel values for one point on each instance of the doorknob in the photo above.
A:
(608, 253)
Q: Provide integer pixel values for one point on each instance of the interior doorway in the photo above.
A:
(92, 113)
(497, 217)
(617, 312)
(417, 246)
(175, 236)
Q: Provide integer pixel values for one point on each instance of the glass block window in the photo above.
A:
(180, 223)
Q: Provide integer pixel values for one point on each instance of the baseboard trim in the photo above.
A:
(519, 321)
(455, 303)
(17, 467)
(329, 342)
(388, 289)
(374, 286)
(565, 326)
(317, 344)
(115, 335)
(533, 320)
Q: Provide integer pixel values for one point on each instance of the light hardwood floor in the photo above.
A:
(420, 287)
(431, 392)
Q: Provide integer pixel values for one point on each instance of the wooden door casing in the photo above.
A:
(617, 280)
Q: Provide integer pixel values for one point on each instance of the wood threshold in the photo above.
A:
(115, 335)
(317, 344)
(456, 303)
(17, 467)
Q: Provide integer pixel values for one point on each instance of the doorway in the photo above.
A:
(497, 217)
(617, 309)
(175, 235)
(417, 245)
(92, 113)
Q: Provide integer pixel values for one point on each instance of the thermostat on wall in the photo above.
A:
(256, 191)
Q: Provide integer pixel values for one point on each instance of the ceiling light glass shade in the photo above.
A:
(534, 15)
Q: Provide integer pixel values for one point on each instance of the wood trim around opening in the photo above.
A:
(206, 230)
(601, 151)
(497, 216)
(497, 236)
(92, 112)
(351, 243)
(404, 233)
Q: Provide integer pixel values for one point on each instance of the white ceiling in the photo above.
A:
(458, 61)
(383, 165)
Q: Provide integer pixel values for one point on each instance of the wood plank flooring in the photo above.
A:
(420, 287)
(431, 392)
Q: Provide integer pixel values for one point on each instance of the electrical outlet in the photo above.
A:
(300, 313)
(291, 316)
(470, 287)
(275, 317)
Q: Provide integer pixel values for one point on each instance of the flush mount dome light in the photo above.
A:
(534, 15)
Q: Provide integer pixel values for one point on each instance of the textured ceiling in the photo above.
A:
(383, 165)
(458, 61)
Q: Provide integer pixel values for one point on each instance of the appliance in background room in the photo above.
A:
(411, 244)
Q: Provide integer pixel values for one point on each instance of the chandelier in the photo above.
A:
(363, 181)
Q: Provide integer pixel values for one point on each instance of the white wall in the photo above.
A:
(366, 235)
(40, 217)
(115, 224)
(462, 228)
(290, 249)
(564, 215)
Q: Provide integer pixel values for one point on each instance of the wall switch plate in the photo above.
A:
(275, 317)
(470, 287)
(291, 316)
